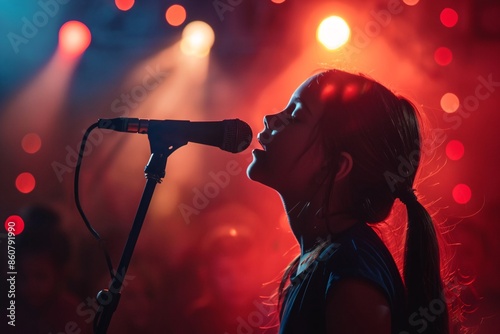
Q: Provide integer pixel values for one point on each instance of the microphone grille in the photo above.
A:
(237, 136)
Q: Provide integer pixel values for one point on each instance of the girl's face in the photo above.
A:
(292, 152)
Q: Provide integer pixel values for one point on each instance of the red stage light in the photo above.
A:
(333, 32)
(461, 193)
(448, 17)
(31, 143)
(278, 1)
(450, 102)
(14, 224)
(25, 182)
(124, 4)
(175, 15)
(411, 2)
(74, 38)
(443, 56)
(455, 150)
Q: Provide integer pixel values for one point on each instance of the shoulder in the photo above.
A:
(361, 256)
(357, 306)
(359, 250)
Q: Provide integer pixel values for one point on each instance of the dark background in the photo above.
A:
(262, 51)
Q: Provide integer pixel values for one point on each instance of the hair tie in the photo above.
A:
(408, 196)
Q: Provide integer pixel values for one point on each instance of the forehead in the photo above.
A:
(334, 87)
(308, 88)
(314, 92)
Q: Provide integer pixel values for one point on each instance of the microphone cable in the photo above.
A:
(89, 226)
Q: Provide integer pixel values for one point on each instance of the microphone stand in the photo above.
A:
(154, 171)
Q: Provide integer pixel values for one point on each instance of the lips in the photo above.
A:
(259, 139)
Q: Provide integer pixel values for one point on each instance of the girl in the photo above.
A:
(339, 155)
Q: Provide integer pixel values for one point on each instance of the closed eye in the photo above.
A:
(291, 113)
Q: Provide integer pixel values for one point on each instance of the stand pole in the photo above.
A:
(155, 170)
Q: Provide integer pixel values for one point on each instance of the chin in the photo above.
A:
(257, 172)
(262, 176)
(252, 170)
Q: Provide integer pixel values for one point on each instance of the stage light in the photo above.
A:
(450, 102)
(175, 15)
(461, 193)
(31, 143)
(74, 38)
(333, 32)
(197, 39)
(411, 2)
(14, 224)
(25, 182)
(278, 1)
(124, 4)
(443, 56)
(448, 17)
(455, 150)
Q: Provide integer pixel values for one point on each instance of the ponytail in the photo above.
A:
(421, 270)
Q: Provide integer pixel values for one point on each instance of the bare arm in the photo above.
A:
(357, 307)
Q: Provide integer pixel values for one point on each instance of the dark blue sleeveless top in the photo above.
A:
(357, 253)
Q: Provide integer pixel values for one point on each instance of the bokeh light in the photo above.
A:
(278, 1)
(450, 102)
(124, 4)
(411, 2)
(197, 39)
(25, 182)
(461, 193)
(31, 143)
(443, 56)
(333, 32)
(74, 38)
(448, 17)
(14, 224)
(455, 150)
(175, 15)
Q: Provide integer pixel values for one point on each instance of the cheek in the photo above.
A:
(306, 167)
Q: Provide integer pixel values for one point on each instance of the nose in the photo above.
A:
(274, 122)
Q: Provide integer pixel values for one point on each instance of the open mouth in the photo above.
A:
(259, 139)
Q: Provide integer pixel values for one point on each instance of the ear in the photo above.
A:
(345, 166)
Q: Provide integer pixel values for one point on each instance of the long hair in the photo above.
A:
(381, 132)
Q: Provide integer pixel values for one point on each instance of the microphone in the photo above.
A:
(232, 135)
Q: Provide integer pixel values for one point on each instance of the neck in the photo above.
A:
(310, 226)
